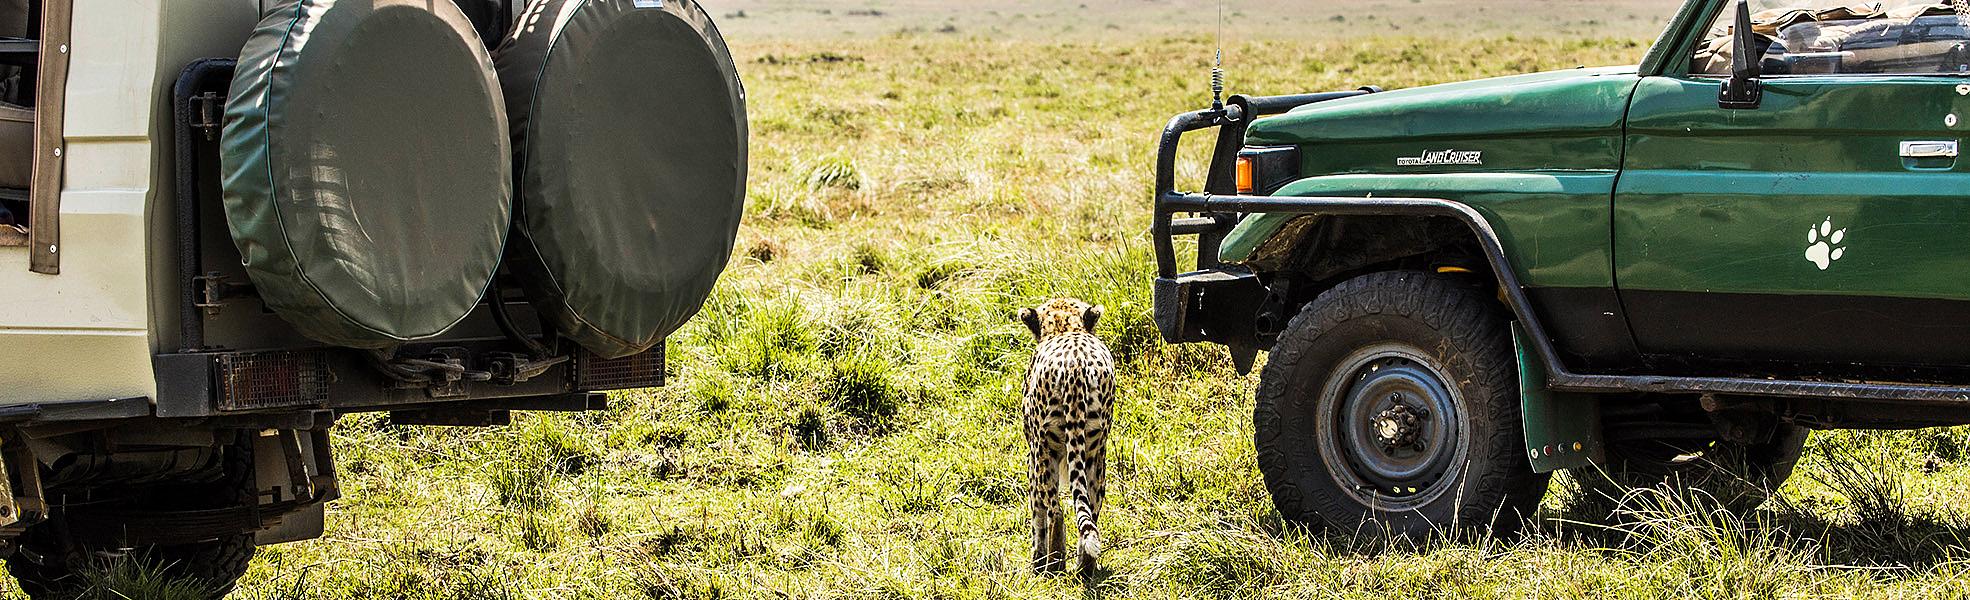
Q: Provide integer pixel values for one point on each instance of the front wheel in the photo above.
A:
(1391, 402)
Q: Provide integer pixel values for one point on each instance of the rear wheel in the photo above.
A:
(205, 569)
(74, 554)
(1738, 476)
(1391, 402)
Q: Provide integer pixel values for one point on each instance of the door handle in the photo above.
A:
(1935, 149)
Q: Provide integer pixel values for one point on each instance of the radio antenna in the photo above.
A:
(1217, 64)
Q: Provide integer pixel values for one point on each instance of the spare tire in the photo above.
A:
(629, 140)
(366, 168)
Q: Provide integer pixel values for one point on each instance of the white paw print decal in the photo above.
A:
(1823, 244)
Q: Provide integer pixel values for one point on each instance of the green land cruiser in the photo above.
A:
(1663, 272)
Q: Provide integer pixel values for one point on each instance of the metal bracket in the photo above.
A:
(214, 290)
(21, 503)
(511, 368)
(451, 382)
(211, 107)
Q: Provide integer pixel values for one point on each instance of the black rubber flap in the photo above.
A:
(367, 174)
(629, 137)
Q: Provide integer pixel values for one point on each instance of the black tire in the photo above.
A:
(55, 567)
(208, 568)
(1345, 363)
(1738, 476)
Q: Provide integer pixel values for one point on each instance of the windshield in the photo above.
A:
(1833, 37)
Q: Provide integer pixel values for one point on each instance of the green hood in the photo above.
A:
(1556, 133)
(1557, 120)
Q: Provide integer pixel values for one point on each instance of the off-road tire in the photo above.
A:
(59, 569)
(1450, 322)
(214, 566)
(1738, 476)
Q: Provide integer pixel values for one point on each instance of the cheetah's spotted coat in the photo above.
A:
(1069, 387)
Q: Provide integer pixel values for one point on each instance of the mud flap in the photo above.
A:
(1562, 430)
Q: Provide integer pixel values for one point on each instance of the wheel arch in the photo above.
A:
(1302, 254)
(1315, 250)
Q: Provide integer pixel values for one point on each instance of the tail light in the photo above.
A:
(595, 374)
(251, 380)
(1264, 169)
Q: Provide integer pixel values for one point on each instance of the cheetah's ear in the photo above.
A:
(1032, 320)
(1089, 316)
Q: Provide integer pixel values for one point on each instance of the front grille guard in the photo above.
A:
(1212, 220)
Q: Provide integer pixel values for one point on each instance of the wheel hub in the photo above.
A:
(1397, 424)
(1400, 425)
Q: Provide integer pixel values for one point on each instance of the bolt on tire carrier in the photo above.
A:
(1215, 302)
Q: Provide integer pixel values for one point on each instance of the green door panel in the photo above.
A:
(1795, 232)
(1554, 225)
(1748, 233)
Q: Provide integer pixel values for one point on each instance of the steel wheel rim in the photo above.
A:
(1377, 453)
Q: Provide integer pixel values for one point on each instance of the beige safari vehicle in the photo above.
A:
(162, 402)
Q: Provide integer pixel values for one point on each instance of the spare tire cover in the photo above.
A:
(629, 139)
(367, 172)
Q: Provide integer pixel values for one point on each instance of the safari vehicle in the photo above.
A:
(1668, 272)
(227, 224)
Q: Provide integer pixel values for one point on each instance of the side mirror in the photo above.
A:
(1742, 90)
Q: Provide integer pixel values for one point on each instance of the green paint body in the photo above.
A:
(1550, 144)
(1562, 431)
(1725, 205)
(1633, 180)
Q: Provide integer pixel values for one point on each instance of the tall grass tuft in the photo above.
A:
(833, 172)
(861, 388)
(1876, 497)
(138, 576)
(1715, 551)
(810, 428)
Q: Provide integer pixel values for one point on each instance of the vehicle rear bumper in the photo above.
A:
(200, 384)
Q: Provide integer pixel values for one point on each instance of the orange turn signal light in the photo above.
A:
(1244, 175)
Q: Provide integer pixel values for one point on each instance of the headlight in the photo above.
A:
(1263, 169)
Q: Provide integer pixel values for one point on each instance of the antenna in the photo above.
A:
(1217, 64)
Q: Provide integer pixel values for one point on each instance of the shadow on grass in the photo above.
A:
(1875, 527)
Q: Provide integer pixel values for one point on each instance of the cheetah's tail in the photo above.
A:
(1090, 546)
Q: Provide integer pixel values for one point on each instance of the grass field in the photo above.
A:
(842, 421)
(1110, 20)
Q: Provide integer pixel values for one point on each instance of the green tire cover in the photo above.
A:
(629, 138)
(366, 167)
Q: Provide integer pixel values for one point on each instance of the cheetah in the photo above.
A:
(1069, 387)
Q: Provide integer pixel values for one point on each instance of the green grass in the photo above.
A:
(843, 420)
